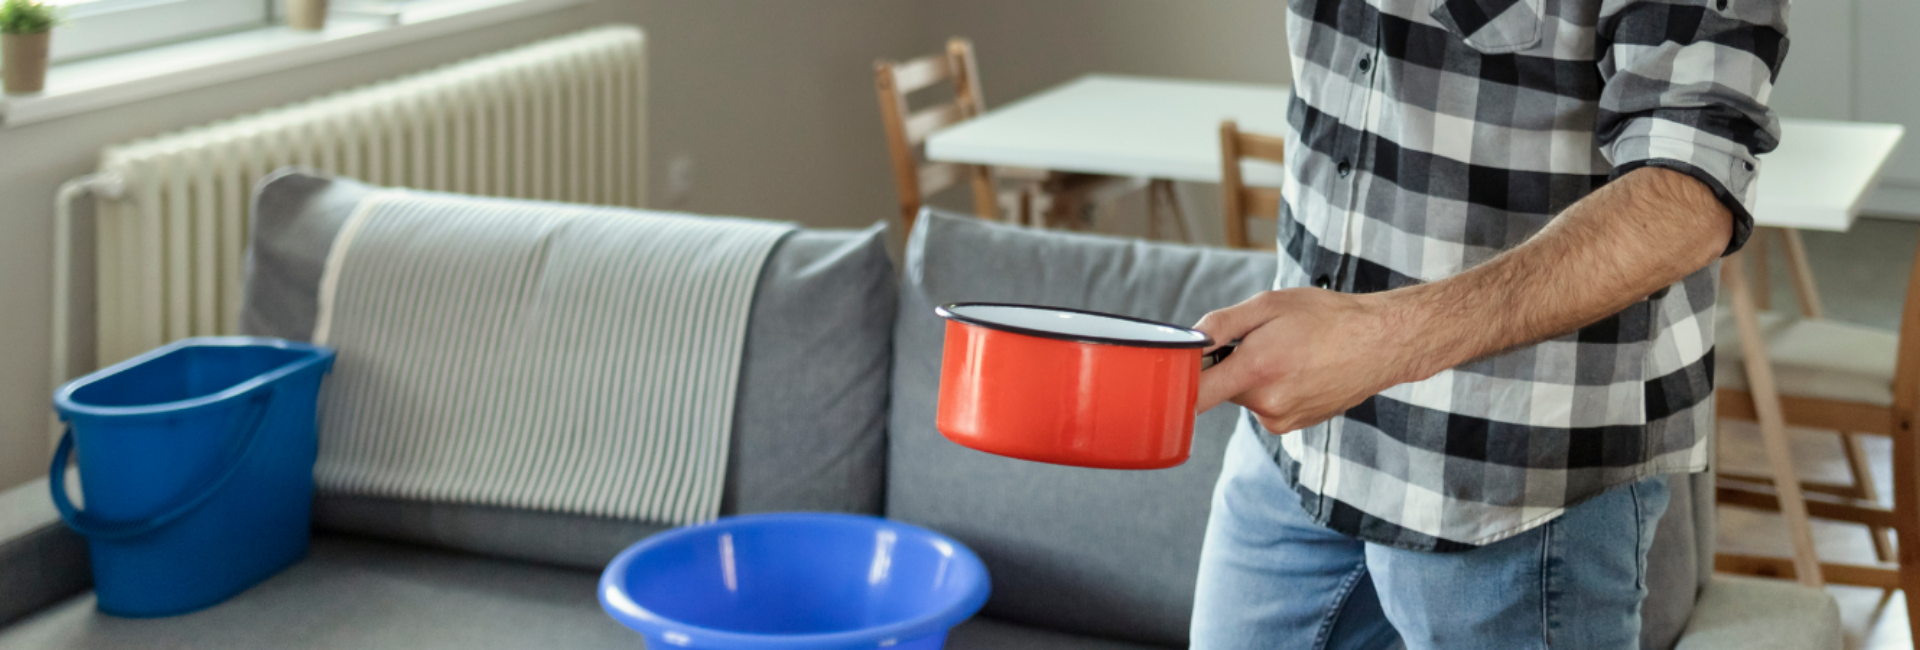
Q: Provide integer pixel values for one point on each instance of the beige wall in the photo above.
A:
(771, 100)
(1028, 45)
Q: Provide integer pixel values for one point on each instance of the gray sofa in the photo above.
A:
(835, 413)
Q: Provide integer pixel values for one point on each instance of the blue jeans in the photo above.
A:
(1272, 578)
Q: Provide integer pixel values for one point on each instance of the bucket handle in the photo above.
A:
(94, 528)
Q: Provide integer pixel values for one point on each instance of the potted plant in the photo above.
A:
(24, 28)
(307, 15)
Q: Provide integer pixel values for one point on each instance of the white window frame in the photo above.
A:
(99, 27)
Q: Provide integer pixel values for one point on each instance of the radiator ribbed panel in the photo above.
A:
(558, 120)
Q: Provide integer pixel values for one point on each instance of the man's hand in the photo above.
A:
(1305, 355)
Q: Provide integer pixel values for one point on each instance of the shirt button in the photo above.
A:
(1366, 64)
(1344, 169)
(1322, 281)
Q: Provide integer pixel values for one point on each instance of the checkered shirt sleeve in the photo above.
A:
(1686, 86)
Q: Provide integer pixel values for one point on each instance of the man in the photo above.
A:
(1493, 329)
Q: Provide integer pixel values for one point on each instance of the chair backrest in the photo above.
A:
(1239, 201)
(907, 132)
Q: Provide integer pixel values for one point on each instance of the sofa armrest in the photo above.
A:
(43, 561)
(1737, 613)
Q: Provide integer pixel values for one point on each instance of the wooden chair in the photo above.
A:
(907, 132)
(1844, 378)
(1807, 295)
(1241, 202)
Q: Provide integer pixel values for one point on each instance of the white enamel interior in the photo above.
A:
(1076, 325)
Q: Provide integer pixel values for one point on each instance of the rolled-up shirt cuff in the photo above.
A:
(1728, 174)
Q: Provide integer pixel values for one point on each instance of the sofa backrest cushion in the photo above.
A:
(809, 426)
(1102, 552)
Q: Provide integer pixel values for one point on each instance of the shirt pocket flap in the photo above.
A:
(1491, 26)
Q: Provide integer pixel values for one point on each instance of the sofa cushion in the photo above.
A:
(1101, 552)
(354, 592)
(43, 561)
(809, 425)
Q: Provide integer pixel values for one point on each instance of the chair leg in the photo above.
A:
(1762, 274)
(1862, 472)
(1773, 430)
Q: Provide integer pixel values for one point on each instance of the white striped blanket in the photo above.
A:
(531, 355)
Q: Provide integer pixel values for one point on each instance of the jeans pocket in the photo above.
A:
(1491, 26)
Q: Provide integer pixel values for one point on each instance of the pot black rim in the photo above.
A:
(946, 311)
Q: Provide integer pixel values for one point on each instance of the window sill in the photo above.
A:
(93, 84)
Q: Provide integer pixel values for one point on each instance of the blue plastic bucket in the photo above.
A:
(196, 460)
(795, 581)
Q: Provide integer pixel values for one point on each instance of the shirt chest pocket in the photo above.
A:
(1491, 26)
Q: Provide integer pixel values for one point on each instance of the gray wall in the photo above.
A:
(770, 99)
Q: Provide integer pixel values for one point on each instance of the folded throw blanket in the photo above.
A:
(535, 355)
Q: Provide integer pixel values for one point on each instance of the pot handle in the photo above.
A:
(1218, 354)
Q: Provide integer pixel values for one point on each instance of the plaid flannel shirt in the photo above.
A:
(1427, 136)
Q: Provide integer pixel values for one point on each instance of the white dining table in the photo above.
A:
(1116, 125)
(1169, 129)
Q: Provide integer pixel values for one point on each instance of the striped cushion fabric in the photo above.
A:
(538, 356)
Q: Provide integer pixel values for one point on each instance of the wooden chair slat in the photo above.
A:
(924, 123)
(1263, 147)
(1773, 567)
(917, 74)
(1809, 412)
(1261, 203)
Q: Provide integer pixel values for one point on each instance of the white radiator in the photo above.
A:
(562, 119)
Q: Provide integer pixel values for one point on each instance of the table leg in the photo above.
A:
(1773, 426)
(1163, 193)
(1189, 227)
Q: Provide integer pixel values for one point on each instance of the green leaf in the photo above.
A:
(26, 17)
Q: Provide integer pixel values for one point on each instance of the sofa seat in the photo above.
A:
(356, 592)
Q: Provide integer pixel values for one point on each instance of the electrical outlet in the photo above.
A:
(679, 180)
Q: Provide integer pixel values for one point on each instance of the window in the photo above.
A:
(94, 27)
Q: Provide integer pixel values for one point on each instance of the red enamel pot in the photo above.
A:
(1069, 387)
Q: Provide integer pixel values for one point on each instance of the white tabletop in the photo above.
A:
(1121, 126)
(1815, 180)
(1170, 128)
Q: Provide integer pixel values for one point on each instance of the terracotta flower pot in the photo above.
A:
(307, 15)
(23, 62)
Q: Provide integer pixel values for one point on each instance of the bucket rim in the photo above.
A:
(615, 600)
(68, 408)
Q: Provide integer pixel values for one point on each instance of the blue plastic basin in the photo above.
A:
(797, 580)
(196, 461)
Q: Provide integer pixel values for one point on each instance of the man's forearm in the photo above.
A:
(1644, 231)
